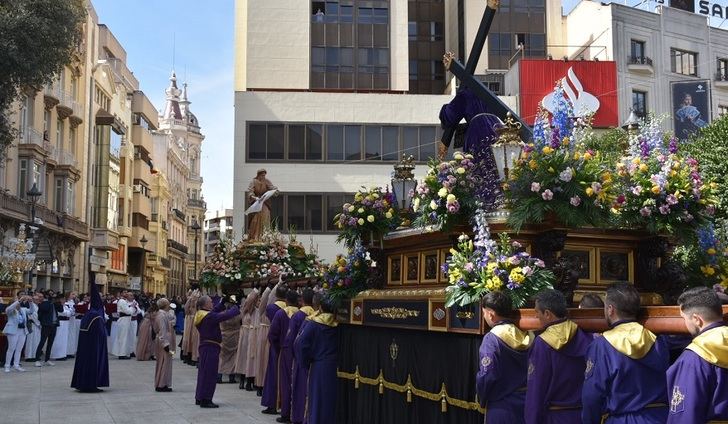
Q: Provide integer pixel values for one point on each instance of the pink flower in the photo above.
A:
(645, 211)
(671, 199)
(596, 187)
(547, 195)
(469, 267)
(637, 190)
(575, 201)
(621, 199)
(540, 263)
(535, 187)
(527, 271)
(665, 209)
(516, 245)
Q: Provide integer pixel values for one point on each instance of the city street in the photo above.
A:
(43, 395)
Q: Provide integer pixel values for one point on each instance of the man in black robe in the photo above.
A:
(91, 369)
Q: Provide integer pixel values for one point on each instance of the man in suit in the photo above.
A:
(48, 318)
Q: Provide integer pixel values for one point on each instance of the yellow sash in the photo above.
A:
(324, 318)
(712, 346)
(512, 336)
(307, 310)
(558, 335)
(290, 310)
(631, 339)
(199, 316)
(281, 304)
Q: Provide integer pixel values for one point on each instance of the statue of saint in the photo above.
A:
(259, 191)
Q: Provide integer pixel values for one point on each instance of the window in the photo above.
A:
(58, 201)
(683, 62)
(46, 124)
(494, 86)
(343, 142)
(722, 110)
(74, 87)
(333, 208)
(310, 212)
(69, 197)
(72, 141)
(637, 50)
(22, 178)
(639, 103)
(59, 135)
(116, 141)
(102, 99)
(265, 141)
(722, 70)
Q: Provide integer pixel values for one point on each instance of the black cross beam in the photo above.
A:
(466, 76)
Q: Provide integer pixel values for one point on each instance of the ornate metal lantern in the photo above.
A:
(507, 149)
(404, 183)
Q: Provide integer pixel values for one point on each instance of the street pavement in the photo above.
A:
(43, 395)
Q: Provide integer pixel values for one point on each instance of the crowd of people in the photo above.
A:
(624, 375)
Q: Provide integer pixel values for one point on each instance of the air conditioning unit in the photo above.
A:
(137, 188)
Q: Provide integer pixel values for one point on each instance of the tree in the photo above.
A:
(710, 147)
(37, 38)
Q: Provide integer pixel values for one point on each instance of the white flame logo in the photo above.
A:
(584, 103)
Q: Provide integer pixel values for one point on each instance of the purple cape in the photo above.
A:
(299, 379)
(270, 386)
(91, 368)
(316, 348)
(555, 379)
(210, 339)
(277, 337)
(501, 380)
(631, 391)
(697, 389)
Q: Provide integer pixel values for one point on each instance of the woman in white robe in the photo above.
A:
(60, 344)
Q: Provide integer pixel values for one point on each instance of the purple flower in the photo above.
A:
(673, 145)
(547, 195)
(540, 263)
(566, 175)
(453, 207)
(665, 209)
(621, 199)
(469, 267)
(535, 187)
(637, 190)
(575, 201)
(671, 199)
(596, 187)
(645, 211)
(444, 268)
(527, 271)
(516, 245)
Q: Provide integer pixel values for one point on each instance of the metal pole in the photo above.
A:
(196, 231)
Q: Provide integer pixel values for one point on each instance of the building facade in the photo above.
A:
(346, 88)
(218, 227)
(177, 152)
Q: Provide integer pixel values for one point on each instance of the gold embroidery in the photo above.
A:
(677, 399)
(589, 367)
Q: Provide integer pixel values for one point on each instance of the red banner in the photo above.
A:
(590, 86)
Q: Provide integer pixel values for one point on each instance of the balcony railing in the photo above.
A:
(179, 214)
(639, 60)
(52, 220)
(53, 90)
(165, 262)
(172, 244)
(66, 157)
(30, 135)
(196, 203)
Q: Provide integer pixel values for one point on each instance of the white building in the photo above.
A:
(323, 98)
(218, 226)
(653, 50)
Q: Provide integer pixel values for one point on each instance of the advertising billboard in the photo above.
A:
(591, 87)
(690, 106)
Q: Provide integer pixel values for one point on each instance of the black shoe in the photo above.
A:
(269, 411)
(283, 420)
(241, 386)
(249, 384)
(132, 355)
(197, 402)
(159, 389)
(208, 404)
(123, 357)
(193, 363)
(259, 392)
(231, 379)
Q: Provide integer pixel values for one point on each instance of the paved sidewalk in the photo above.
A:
(43, 395)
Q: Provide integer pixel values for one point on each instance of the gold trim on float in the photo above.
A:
(401, 294)
(410, 390)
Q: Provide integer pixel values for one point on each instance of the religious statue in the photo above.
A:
(259, 192)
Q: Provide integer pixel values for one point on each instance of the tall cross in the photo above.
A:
(466, 75)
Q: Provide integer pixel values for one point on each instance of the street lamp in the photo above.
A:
(34, 194)
(196, 228)
(404, 183)
(632, 124)
(507, 149)
(143, 241)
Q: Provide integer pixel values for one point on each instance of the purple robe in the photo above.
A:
(299, 373)
(697, 389)
(277, 337)
(631, 391)
(91, 369)
(209, 349)
(316, 349)
(555, 379)
(270, 386)
(501, 380)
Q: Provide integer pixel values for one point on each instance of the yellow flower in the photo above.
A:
(516, 275)
(566, 141)
(442, 192)
(589, 191)
(360, 221)
(358, 197)
(711, 251)
(707, 270)
(547, 150)
(370, 218)
(643, 167)
(341, 270)
(451, 199)
(351, 208)
(361, 210)
(493, 284)
(454, 275)
(433, 205)
(460, 171)
(551, 169)
(587, 156)
(713, 185)
(388, 215)
(385, 204)
(676, 165)
(416, 203)
(532, 164)
(636, 161)
(375, 195)
(458, 156)
(655, 189)
(577, 155)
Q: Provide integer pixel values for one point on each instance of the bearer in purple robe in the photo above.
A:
(625, 368)
(207, 321)
(277, 337)
(697, 383)
(300, 373)
(501, 379)
(91, 369)
(316, 349)
(556, 364)
(270, 385)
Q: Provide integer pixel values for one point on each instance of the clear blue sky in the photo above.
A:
(203, 34)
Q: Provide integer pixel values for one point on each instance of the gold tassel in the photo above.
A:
(381, 387)
(443, 405)
(356, 382)
(409, 396)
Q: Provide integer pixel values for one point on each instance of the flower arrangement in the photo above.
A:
(558, 175)
(476, 268)
(371, 214)
(447, 194)
(713, 250)
(349, 274)
(662, 190)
